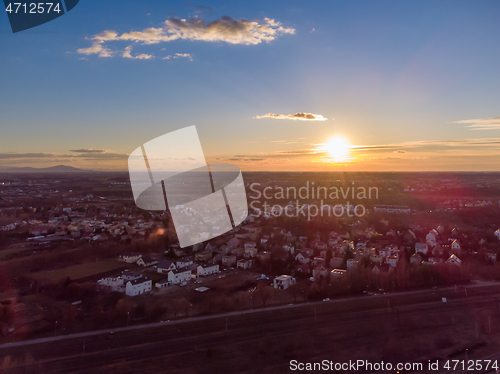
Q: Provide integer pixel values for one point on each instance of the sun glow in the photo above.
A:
(337, 148)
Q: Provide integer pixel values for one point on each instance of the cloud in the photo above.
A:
(186, 55)
(224, 29)
(481, 123)
(127, 54)
(297, 116)
(399, 151)
(90, 150)
(200, 9)
(88, 154)
(7, 156)
(97, 48)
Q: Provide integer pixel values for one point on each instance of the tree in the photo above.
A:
(264, 291)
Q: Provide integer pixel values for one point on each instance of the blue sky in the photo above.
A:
(389, 77)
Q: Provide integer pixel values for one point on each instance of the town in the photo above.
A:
(76, 254)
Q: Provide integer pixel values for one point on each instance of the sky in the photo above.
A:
(270, 86)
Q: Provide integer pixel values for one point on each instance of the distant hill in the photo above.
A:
(52, 169)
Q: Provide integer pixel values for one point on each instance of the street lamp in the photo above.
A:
(55, 330)
(128, 315)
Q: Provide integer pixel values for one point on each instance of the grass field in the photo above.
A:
(78, 271)
(14, 248)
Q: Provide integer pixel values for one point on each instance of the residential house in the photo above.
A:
(111, 284)
(183, 262)
(454, 260)
(456, 247)
(165, 266)
(128, 275)
(233, 242)
(207, 269)
(497, 233)
(377, 259)
(392, 260)
(421, 248)
(302, 259)
(283, 282)
(203, 256)
(177, 276)
(352, 264)
(244, 264)
(337, 273)
(146, 261)
(138, 286)
(416, 259)
(229, 260)
(320, 271)
(130, 257)
(250, 252)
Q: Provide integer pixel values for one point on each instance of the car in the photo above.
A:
(183, 284)
(327, 299)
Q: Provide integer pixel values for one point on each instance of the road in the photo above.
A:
(186, 344)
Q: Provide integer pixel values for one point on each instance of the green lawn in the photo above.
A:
(79, 271)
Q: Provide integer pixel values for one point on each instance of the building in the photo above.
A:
(177, 276)
(138, 286)
(129, 275)
(111, 284)
(352, 264)
(165, 266)
(337, 273)
(244, 264)
(207, 269)
(320, 271)
(421, 248)
(283, 282)
(146, 261)
(130, 257)
(250, 252)
(229, 260)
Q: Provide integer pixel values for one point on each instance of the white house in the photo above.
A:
(183, 262)
(177, 276)
(244, 264)
(300, 258)
(455, 246)
(249, 245)
(128, 275)
(392, 260)
(112, 284)
(454, 260)
(497, 233)
(9, 227)
(320, 271)
(130, 257)
(431, 236)
(138, 286)
(283, 282)
(421, 248)
(207, 269)
(250, 252)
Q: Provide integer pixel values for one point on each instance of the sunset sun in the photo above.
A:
(337, 148)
